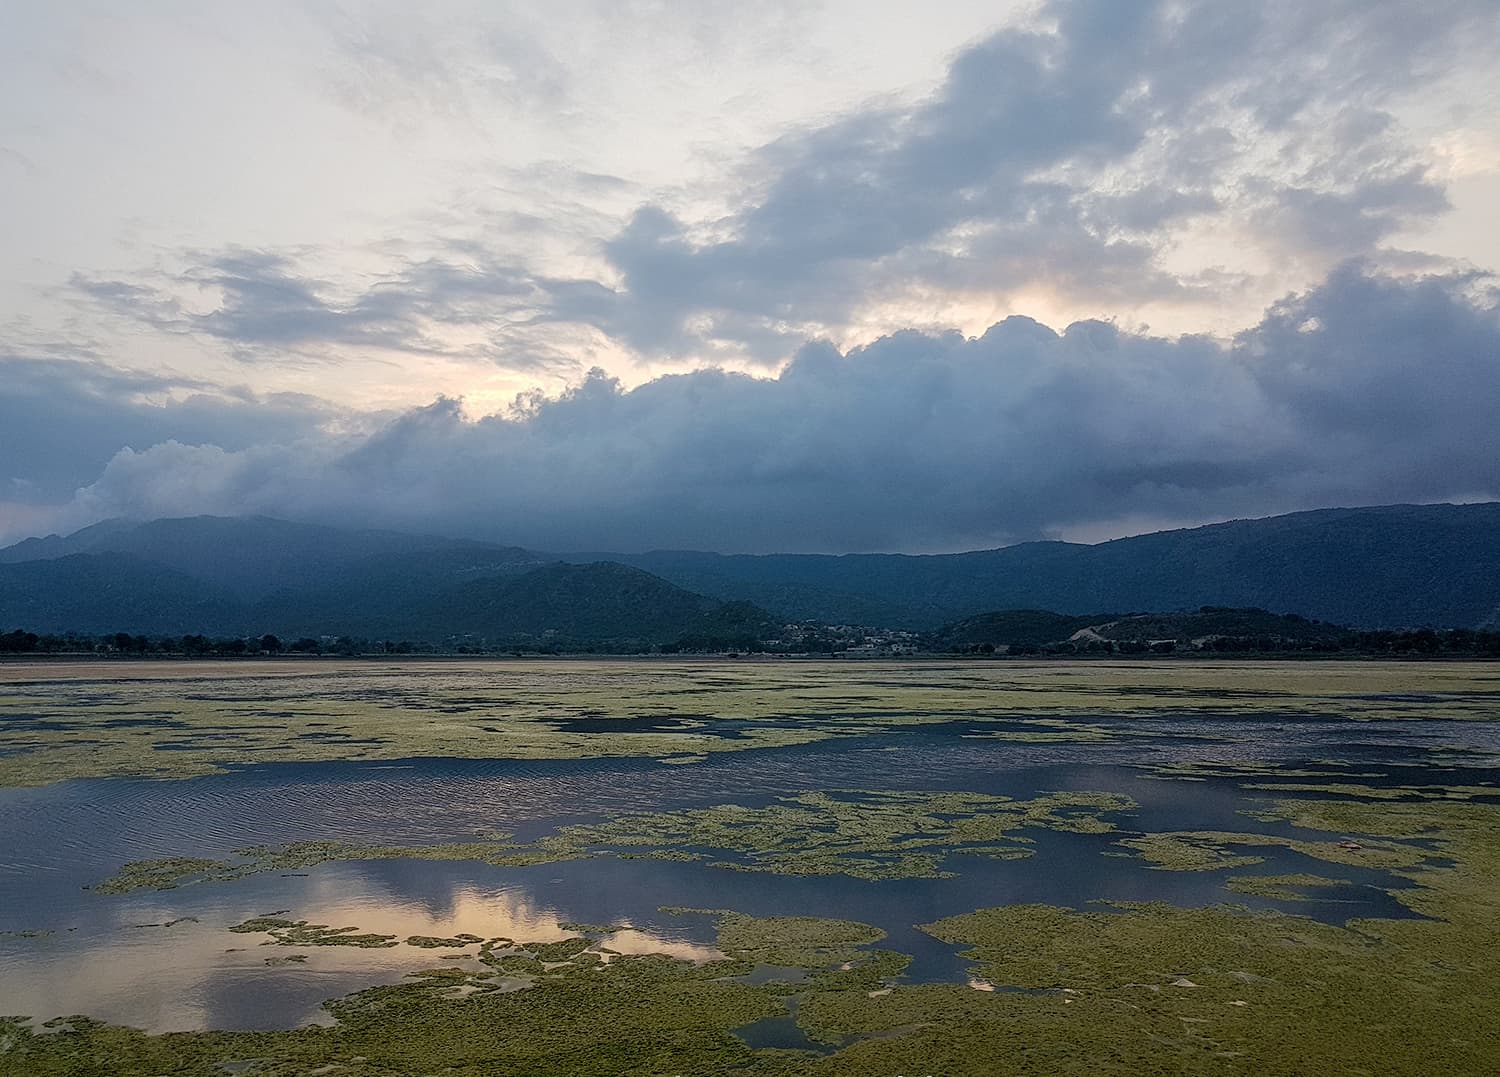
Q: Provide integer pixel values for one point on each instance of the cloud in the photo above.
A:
(264, 307)
(1075, 153)
(1115, 154)
(62, 420)
(394, 59)
(1365, 389)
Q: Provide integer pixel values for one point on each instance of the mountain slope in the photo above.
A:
(100, 593)
(428, 597)
(1387, 567)
(1390, 566)
(254, 556)
(595, 603)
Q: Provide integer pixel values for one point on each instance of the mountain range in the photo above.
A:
(1381, 567)
(1388, 566)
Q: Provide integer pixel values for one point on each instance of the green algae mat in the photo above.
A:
(185, 719)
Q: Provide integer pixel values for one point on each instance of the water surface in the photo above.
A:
(99, 954)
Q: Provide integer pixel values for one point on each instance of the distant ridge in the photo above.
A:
(1395, 566)
(1391, 566)
(242, 576)
(251, 556)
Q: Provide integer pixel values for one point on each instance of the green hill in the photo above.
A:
(109, 592)
(601, 603)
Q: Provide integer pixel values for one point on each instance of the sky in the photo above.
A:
(802, 277)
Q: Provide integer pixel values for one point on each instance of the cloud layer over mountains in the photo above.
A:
(358, 211)
(1367, 389)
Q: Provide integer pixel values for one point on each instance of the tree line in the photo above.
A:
(21, 641)
(1411, 643)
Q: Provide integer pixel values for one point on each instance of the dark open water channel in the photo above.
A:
(98, 957)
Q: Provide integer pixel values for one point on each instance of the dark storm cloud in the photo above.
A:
(61, 421)
(1366, 389)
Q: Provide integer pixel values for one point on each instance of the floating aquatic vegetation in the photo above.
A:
(1187, 852)
(867, 835)
(448, 975)
(1290, 887)
(808, 942)
(433, 942)
(1207, 850)
(300, 933)
(110, 720)
(561, 950)
(1381, 792)
(161, 874)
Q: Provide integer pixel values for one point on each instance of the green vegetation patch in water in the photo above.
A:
(806, 942)
(433, 942)
(85, 720)
(301, 933)
(1381, 792)
(865, 835)
(1207, 850)
(1290, 887)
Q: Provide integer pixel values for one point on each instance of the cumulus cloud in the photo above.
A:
(1366, 389)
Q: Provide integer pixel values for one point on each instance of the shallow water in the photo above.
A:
(97, 958)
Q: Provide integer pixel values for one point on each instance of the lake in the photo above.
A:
(895, 797)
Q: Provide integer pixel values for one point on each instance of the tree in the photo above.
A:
(270, 644)
(19, 642)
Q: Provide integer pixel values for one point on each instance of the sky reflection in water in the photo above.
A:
(99, 960)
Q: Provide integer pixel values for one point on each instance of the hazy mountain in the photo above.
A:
(253, 556)
(111, 592)
(1390, 566)
(590, 603)
(165, 578)
(1393, 566)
